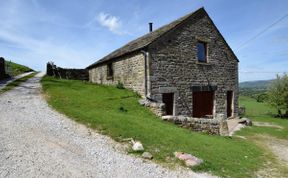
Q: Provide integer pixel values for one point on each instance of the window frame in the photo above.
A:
(110, 71)
(205, 51)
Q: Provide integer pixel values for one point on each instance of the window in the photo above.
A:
(109, 71)
(202, 51)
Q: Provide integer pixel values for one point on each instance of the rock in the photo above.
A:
(137, 146)
(189, 159)
(142, 102)
(147, 155)
(246, 121)
(167, 118)
(182, 118)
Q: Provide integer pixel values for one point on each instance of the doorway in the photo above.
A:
(168, 100)
(203, 104)
(229, 103)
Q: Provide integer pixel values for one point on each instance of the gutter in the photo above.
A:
(145, 53)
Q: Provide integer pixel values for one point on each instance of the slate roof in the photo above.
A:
(147, 39)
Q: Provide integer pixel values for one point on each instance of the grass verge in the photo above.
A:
(16, 83)
(116, 112)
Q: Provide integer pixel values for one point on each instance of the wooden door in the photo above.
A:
(203, 103)
(168, 99)
(229, 103)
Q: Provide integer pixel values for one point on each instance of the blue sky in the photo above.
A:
(76, 33)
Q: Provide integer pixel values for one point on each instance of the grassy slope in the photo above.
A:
(98, 107)
(16, 83)
(17, 68)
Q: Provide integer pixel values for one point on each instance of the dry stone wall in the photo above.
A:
(2, 68)
(216, 126)
(64, 73)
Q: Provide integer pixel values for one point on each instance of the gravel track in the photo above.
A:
(36, 141)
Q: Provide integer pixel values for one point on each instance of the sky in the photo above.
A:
(76, 33)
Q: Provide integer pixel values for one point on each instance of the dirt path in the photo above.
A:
(36, 141)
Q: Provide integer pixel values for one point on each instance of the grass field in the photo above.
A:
(16, 83)
(116, 112)
(262, 112)
(272, 140)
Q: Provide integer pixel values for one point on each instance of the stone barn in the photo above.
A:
(183, 68)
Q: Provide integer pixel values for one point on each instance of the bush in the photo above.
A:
(261, 97)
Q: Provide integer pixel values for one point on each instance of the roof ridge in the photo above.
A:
(145, 40)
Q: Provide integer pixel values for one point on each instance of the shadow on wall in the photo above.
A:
(64, 73)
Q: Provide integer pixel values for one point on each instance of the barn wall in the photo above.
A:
(174, 66)
(128, 70)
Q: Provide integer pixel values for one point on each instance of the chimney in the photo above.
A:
(150, 27)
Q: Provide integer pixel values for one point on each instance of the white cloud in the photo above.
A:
(111, 22)
(35, 53)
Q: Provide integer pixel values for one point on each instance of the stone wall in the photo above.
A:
(174, 66)
(2, 68)
(128, 70)
(216, 126)
(64, 73)
(156, 107)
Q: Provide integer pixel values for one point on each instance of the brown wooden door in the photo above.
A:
(203, 103)
(229, 103)
(168, 100)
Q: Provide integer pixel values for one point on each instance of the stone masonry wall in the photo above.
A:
(128, 70)
(2, 68)
(216, 126)
(174, 66)
(65, 73)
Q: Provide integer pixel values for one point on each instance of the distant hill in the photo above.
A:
(258, 84)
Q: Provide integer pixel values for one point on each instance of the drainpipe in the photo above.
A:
(145, 53)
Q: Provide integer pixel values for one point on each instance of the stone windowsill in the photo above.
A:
(203, 63)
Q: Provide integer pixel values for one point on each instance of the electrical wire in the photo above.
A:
(261, 32)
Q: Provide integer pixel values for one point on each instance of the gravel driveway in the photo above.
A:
(36, 141)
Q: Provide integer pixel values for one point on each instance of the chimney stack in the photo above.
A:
(150, 27)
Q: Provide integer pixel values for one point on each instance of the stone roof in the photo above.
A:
(147, 39)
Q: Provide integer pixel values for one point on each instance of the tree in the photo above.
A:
(262, 97)
(278, 94)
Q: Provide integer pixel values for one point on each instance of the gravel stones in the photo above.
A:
(34, 143)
